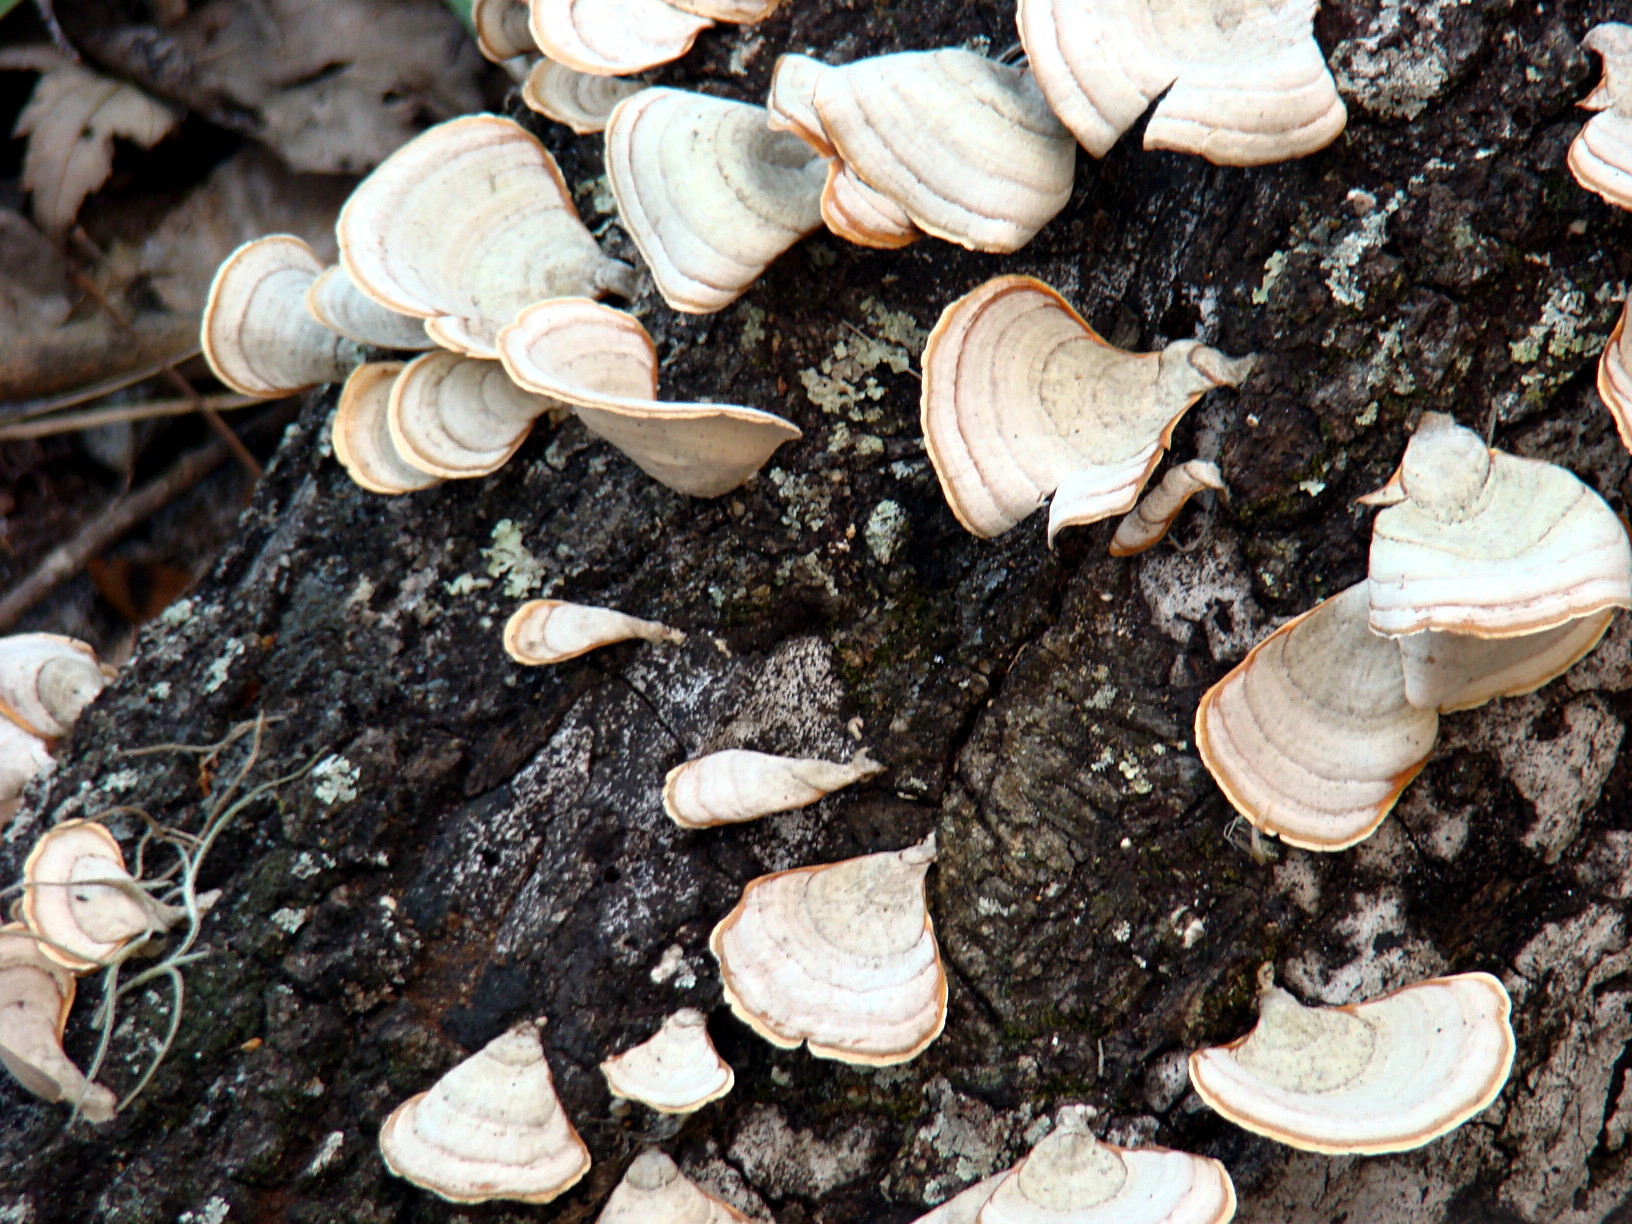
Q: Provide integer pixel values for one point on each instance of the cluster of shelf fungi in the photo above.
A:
(1489, 574)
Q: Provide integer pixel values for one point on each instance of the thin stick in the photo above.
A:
(27, 410)
(68, 422)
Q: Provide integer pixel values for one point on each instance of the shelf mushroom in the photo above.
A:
(1601, 154)
(465, 225)
(617, 37)
(581, 101)
(1021, 400)
(791, 103)
(1385, 1076)
(1615, 377)
(457, 417)
(1240, 85)
(47, 680)
(841, 957)
(654, 1191)
(858, 214)
(710, 194)
(361, 433)
(491, 1128)
(736, 785)
(501, 29)
(336, 303)
(544, 631)
(1153, 517)
(24, 756)
(676, 1071)
(602, 362)
(1449, 672)
(36, 995)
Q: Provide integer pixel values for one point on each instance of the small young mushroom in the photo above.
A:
(709, 193)
(1071, 1176)
(578, 99)
(617, 37)
(1152, 518)
(35, 997)
(544, 631)
(24, 756)
(501, 29)
(465, 225)
(335, 302)
(1022, 399)
(1489, 544)
(361, 433)
(458, 417)
(46, 680)
(1615, 376)
(677, 1071)
(602, 361)
(1449, 672)
(1239, 84)
(858, 214)
(257, 334)
(491, 1128)
(735, 785)
(1310, 737)
(1601, 154)
(1385, 1076)
(792, 100)
(654, 1191)
(841, 956)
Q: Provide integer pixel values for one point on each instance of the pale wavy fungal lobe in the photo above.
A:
(1154, 516)
(24, 756)
(858, 214)
(964, 1207)
(1491, 545)
(736, 785)
(545, 631)
(501, 29)
(491, 1128)
(654, 1191)
(617, 37)
(1241, 82)
(1385, 1076)
(709, 193)
(1601, 154)
(1615, 377)
(581, 100)
(1023, 400)
(1449, 672)
(256, 332)
(676, 1071)
(841, 957)
(603, 363)
(36, 995)
(361, 433)
(963, 145)
(47, 680)
(460, 417)
(336, 303)
(792, 100)
(467, 224)
(1310, 737)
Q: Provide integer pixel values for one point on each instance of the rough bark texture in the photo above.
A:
(483, 843)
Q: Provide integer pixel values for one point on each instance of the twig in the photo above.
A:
(49, 17)
(91, 418)
(27, 410)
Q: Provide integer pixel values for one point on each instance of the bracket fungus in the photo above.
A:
(1153, 517)
(457, 417)
(256, 332)
(840, 956)
(501, 28)
(602, 362)
(361, 433)
(1491, 545)
(654, 1191)
(617, 37)
(709, 192)
(581, 101)
(1615, 377)
(1601, 154)
(544, 631)
(791, 103)
(1240, 82)
(467, 224)
(35, 997)
(491, 1128)
(858, 214)
(677, 1071)
(336, 302)
(1022, 399)
(1385, 1076)
(736, 785)
(1449, 672)
(46, 680)
(23, 757)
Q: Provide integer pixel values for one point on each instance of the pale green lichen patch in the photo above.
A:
(844, 384)
(1274, 269)
(886, 531)
(1572, 328)
(753, 324)
(508, 558)
(1340, 263)
(334, 780)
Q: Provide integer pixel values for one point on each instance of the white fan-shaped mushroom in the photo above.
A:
(1241, 82)
(1022, 399)
(841, 957)
(964, 1207)
(257, 334)
(1070, 1177)
(792, 100)
(361, 433)
(454, 417)
(676, 1071)
(581, 100)
(46, 680)
(1449, 672)
(1615, 376)
(858, 214)
(735, 785)
(710, 194)
(501, 29)
(1384, 1076)
(341, 307)
(1601, 154)
(491, 1128)
(654, 1191)
(1310, 737)
(35, 997)
(602, 361)
(614, 37)
(24, 756)
(1151, 519)
(964, 145)
(464, 226)
(544, 631)
(1489, 544)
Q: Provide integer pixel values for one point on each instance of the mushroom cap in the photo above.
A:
(1310, 737)
(654, 1191)
(735, 12)
(1022, 399)
(465, 225)
(544, 631)
(602, 361)
(46, 680)
(858, 214)
(791, 103)
(1385, 1076)
(1615, 377)
(491, 1128)
(23, 757)
(361, 434)
(36, 995)
(458, 417)
(501, 29)
(1491, 545)
(79, 899)
(735, 785)
(580, 100)
(256, 332)
(709, 193)
(676, 1071)
(336, 303)
(1601, 154)
(964, 145)
(840, 956)
(1241, 82)
(613, 37)
(1449, 672)
(1151, 519)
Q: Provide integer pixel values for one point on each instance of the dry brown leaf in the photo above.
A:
(71, 121)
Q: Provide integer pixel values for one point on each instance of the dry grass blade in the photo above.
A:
(92, 418)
